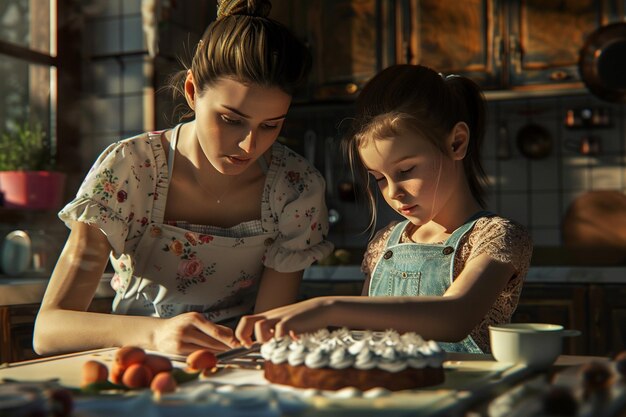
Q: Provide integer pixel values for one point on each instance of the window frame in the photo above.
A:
(64, 61)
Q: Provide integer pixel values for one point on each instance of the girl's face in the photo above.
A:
(236, 123)
(414, 176)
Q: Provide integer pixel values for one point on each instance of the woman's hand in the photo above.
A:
(302, 317)
(188, 332)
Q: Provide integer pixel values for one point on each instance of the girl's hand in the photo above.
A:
(188, 332)
(302, 317)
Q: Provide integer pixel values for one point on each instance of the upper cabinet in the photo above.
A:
(351, 40)
(463, 38)
(501, 44)
(544, 39)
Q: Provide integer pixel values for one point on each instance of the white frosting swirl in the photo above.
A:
(317, 359)
(340, 358)
(342, 349)
(297, 353)
(365, 359)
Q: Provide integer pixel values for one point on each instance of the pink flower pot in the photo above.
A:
(41, 190)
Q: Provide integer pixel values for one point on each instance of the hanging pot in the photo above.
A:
(534, 141)
(602, 62)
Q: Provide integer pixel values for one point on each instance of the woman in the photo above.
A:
(204, 222)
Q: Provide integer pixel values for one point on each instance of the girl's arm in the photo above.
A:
(449, 318)
(277, 289)
(63, 324)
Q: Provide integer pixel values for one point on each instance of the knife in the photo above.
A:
(223, 356)
(237, 352)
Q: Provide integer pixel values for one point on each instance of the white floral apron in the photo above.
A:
(178, 270)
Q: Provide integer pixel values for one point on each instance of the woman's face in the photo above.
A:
(236, 123)
(415, 178)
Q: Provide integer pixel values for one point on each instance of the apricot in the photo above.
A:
(94, 371)
(163, 382)
(117, 373)
(137, 376)
(129, 355)
(157, 363)
(201, 359)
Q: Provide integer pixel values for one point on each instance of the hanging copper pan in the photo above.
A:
(602, 62)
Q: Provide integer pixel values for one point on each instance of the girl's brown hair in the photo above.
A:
(244, 44)
(418, 98)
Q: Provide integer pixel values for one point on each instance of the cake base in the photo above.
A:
(334, 379)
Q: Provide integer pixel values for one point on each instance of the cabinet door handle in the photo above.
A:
(408, 54)
(516, 54)
(498, 47)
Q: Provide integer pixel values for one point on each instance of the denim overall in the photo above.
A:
(410, 269)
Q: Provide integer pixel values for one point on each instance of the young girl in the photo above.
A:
(451, 269)
(203, 222)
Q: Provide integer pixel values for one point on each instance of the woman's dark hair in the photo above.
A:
(245, 45)
(419, 99)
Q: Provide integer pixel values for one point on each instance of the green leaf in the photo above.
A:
(25, 147)
(181, 376)
(96, 387)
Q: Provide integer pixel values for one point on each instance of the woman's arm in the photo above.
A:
(447, 318)
(63, 324)
(277, 289)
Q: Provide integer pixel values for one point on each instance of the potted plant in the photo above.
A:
(27, 176)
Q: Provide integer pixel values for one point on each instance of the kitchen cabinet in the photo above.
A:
(500, 44)
(562, 304)
(351, 40)
(608, 319)
(17, 323)
(597, 310)
(503, 44)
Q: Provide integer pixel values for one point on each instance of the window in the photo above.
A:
(28, 65)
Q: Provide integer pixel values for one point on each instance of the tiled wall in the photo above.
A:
(113, 76)
(119, 89)
(534, 192)
(538, 192)
(119, 76)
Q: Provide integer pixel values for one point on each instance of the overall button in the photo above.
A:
(448, 250)
(268, 241)
(388, 254)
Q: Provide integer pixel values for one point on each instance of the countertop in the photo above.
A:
(30, 290)
(536, 274)
(473, 384)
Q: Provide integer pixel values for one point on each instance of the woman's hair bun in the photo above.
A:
(258, 8)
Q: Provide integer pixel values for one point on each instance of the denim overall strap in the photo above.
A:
(414, 269)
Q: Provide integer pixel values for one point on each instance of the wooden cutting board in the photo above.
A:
(594, 228)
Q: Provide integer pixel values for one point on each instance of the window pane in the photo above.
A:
(24, 94)
(26, 23)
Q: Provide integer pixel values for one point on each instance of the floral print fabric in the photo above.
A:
(163, 269)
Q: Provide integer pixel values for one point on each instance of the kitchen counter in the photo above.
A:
(29, 290)
(536, 274)
(473, 384)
